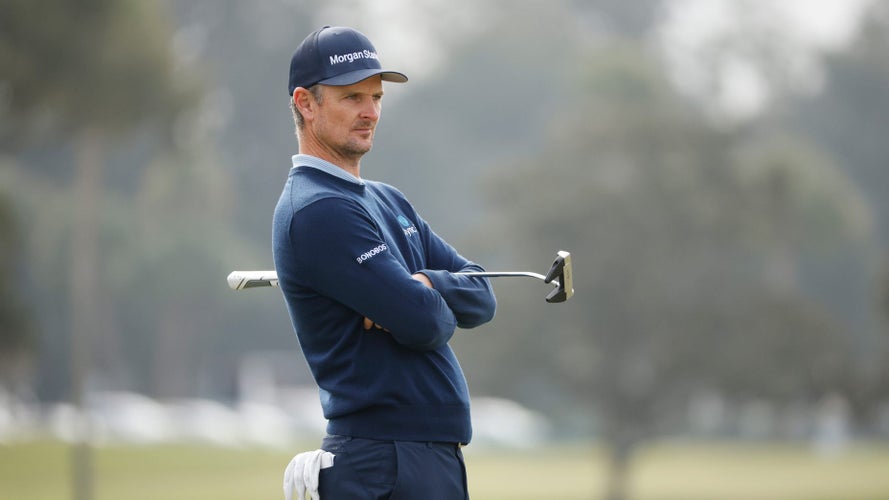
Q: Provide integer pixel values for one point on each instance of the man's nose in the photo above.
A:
(370, 110)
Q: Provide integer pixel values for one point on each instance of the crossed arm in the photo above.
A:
(422, 278)
(420, 308)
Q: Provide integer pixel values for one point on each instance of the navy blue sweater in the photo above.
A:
(345, 249)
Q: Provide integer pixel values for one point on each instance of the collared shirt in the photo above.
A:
(325, 166)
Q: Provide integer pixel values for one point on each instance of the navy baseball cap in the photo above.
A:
(336, 56)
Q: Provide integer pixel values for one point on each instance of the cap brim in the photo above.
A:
(363, 74)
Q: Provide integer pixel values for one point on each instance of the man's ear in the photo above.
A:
(304, 102)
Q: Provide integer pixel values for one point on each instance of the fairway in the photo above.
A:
(40, 471)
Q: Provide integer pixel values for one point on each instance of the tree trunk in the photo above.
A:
(619, 473)
(173, 367)
(83, 295)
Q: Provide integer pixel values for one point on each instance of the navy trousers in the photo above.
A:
(368, 469)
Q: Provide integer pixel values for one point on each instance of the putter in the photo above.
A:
(559, 275)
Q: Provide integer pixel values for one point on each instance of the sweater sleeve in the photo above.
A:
(470, 298)
(342, 256)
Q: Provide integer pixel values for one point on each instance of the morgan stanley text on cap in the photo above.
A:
(336, 56)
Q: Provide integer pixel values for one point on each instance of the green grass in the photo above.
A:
(41, 470)
(762, 472)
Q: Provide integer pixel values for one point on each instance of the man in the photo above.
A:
(372, 291)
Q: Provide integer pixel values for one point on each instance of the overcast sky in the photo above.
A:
(794, 29)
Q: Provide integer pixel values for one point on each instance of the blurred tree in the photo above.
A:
(87, 72)
(244, 50)
(17, 334)
(688, 242)
(849, 118)
(71, 67)
(440, 135)
(170, 175)
(244, 139)
(633, 20)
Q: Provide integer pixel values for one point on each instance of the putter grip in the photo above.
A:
(242, 280)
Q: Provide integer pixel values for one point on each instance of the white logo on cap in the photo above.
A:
(352, 56)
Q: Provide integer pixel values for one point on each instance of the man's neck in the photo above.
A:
(351, 165)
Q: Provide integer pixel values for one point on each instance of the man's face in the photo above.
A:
(347, 117)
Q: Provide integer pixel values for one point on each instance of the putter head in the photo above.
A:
(560, 272)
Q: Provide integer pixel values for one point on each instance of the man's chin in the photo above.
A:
(358, 149)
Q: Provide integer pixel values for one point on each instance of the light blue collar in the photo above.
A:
(324, 166)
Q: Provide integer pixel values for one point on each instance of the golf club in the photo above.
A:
(559, 275)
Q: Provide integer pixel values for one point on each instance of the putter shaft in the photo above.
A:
(561, 269)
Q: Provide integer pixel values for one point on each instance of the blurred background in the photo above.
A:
(719, 170)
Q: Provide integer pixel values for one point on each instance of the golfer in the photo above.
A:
(372, 291)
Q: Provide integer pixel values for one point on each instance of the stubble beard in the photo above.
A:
(353, 148)
(349, 148)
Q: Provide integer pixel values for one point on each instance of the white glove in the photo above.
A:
(302, 473)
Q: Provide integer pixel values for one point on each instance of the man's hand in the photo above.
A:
(368, 324)
(422, 278)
